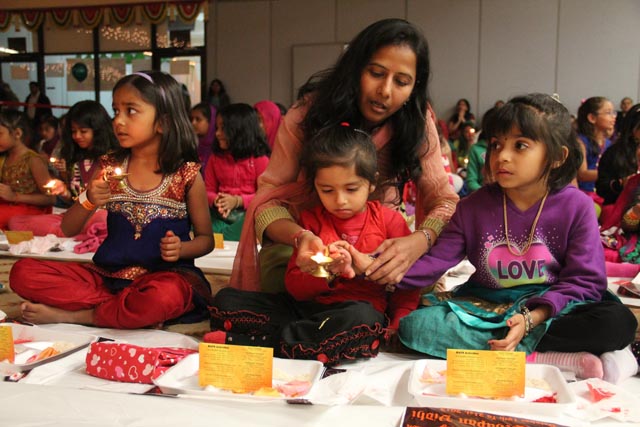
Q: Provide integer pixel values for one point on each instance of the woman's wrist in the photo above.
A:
(428, 237)
(297, 236)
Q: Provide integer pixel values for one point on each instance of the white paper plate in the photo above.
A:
(434, 395)
(3, 316)
(182, 379)
(39, 339)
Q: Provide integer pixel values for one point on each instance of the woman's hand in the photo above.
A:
(516, 324)
(395, 257)
(360, 261)
(6, 193)
(170, 246)
(308, 245)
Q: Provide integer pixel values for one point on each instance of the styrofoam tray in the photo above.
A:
(434, 395)
(39, 339)
(182, 379)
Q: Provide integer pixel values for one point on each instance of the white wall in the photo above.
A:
(482, 50)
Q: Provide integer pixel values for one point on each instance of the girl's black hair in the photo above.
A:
(623, 157)
(585, 127)
(14, 119)
(179, 142)
(205, 110)
(336, 92)
(50, 120)
(87, 114)
(223, 90)
(541, 118)
(340, 145)
(241, 126)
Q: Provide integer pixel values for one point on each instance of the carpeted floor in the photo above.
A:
(10, 302)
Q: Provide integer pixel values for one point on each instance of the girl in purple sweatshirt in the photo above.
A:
(540, 283)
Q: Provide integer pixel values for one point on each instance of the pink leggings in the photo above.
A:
(150, 299)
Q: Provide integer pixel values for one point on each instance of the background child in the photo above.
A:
(341, 317)
(596, 120)
(143, 274)
(50, 139)
(540, 283)
(203, 120)
(87, 135)
(240, 155)
(270, 118)
(23, 173)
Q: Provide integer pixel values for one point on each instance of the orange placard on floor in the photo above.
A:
(484, 373)
(241, 369)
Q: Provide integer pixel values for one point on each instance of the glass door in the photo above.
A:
(187, 70)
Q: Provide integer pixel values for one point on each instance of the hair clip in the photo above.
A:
(145, 75)
(345, 124)
(556, 98)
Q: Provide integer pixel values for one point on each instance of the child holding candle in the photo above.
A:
(540, 283)
(343, 316)
(143, 274)
(23, 172)
(87, 134)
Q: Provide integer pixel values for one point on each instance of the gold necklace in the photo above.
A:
(533, 226)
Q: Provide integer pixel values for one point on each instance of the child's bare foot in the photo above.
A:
(41, 313)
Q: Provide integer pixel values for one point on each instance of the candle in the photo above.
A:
(49, 186)
(321, 259)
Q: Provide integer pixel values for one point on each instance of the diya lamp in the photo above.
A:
(49, 186)
(323, 261)
(117, 175)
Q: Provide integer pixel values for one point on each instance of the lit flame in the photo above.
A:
(50, 184)
(53, 159)
(117, 171)
(320, 258)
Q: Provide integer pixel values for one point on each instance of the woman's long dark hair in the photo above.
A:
(334, 93)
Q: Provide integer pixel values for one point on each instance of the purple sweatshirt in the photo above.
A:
(566, 252)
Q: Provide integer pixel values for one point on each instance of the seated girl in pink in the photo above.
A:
(240, 155)
(87, 135)
(23, 173)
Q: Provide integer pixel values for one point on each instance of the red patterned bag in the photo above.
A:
(131, 363)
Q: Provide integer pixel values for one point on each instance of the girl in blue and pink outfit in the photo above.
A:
(540, 283)
(143, 274)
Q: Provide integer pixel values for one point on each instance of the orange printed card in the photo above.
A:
(7, 351)
(484, 373)
(241, 369)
